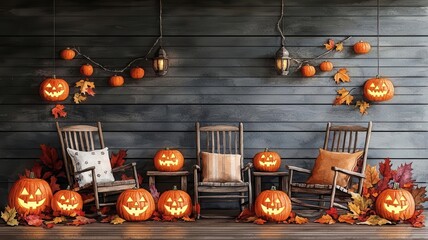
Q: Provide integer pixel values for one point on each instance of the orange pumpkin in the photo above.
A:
(66, 202)
(54, 89)
(135, 205)
(395, 204)
(362, 47)
(137, 73)
(86, 70)
(168, 160)
(116, 81)
(67, 54)
(30, 195)
(267, 161)
(308, 70)
(326, 66)
(273, 205)
(175, 203)
(378, 89)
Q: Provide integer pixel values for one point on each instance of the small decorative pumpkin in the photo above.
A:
(273, 205)
(378, 89)
(175, 203)
(66, 202)
(116, 81)
(308, 70)
(135, 205)
(137, 73)
(395, 204)
(267, 161)
(30, 195)
(54, 89)
(86, 70)
(362, 47)
(67, 54)
(168, 160)
(326, 66)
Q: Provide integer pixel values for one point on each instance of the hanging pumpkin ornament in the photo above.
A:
(66, 202)
(326, 66)
(395, 204)
(168, 160)
(308, 70)
(30, 195)
(86, 70)
(378, 89)
(67, 54)
(175, 203)
(116, 81)
(362, 47)
(273, 205)
(137, 73)
(135, 205)
(267, 161)
(54, 89)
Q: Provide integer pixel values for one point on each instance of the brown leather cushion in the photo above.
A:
(221, 167)
(322, 173)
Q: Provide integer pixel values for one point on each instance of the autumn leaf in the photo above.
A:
(344, 97)
(347, 218)
(375, 220)
(403, 176)
(325, 219)
(168, 218)
(419, 194)
(90, 91)
(78, 98)
(34, 220)
(342, 75)
(329, 45)
(188, 219)
(332, 212)
(57, 220)
(80, 220)
(361, 202)
(339, 46)
(362, 105)
(259, 221)
(54, 186)
(301, 220)
(9, 216)
(418, 219)
(372, 176)
(58, 111)
(85, 85)
(154, 192)
(386, 172)
(355, 209)
(118, 159)
(117, 220)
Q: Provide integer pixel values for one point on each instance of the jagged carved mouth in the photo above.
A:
(176, 210)
(272, 211)
(395, 209)
(54, 94)
(375, 93)
(31, 204)
(268, 164)
(67, 206)
(136, 211)
(168, 162)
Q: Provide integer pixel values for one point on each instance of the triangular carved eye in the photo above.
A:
(60, 85)
(388, 198)
(372, 85)
(62, 197)
(173, 155)
(277, 201)
(129, 199)
(270, 156)
(163, 155)
(49, 85)
(38, 192)
(263, 156)
(142, 199)
(267, 200)
(169, 200)
(72, 198)
(180, 200)
(402, 198)
(383, 85)
(24, 192)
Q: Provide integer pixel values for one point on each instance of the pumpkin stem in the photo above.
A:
(267, 149)
(174, 187)
(68, 187)
(396, 185)
(32, 175)
(166, 148)
(273, 188)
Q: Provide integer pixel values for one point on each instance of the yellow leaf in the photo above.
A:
(339, 47)
(57, 220)
(325, 219)
(9, 216)
(362, 202)
(329, 45)
(78, 98)
(347, 218)
(355, 209)
(301, 220)
(363, 105)
(375, 220)
(342, 75)
(84, 85)
(372, 176)
(117, 220)
(344, 97)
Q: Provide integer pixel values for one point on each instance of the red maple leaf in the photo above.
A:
(58, 111)
(54, 186)
(90, 91)
(386, 172)
(118, 159)
(333, 213)
(403, 176)
(49, 157)
(34, 220)
(418, 219)
(154, 192)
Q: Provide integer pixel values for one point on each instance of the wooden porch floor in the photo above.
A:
(214, 229)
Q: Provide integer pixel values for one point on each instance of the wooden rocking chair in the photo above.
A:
(81, 138)
(221, 139)
(343, 139)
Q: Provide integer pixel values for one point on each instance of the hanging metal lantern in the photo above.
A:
(282, 61)
(160, 63)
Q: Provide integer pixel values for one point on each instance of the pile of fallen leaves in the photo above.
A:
(249, 216)
(362, 209)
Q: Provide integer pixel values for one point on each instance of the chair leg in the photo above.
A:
(94, 184)
(333, 190)
(250, 197)
(242, 200)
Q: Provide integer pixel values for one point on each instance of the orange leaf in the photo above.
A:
(363, 105)
(339, 47)
(80, 220)
(342, 75)
(245, 214)
(372, 176)
(329, 45)
(259, 221)
(344, 97)
(58, 111)
(301, 220)
(419, 194)
(325, 219)
(347, 218)
(188, 219)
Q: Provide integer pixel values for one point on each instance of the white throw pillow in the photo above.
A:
(98, 158)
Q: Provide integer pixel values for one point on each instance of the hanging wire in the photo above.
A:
(279, 24)
(378, 42)
(145, 57)
(54, 38)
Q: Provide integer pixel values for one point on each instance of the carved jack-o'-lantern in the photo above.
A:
(66, 202)
(30, 195)
(267, 161)
(175, 203)
(273, 205)
(395, 204)
(135, 205)
(378, 89)
(168, 160)
(54, 89)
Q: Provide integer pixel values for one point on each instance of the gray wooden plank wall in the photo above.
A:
(221, 72)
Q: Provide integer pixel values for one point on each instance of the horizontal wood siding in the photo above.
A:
(221, 72)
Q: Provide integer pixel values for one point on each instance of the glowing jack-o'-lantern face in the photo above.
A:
(378, 89)
(30, 195)
(66, 202)
(54, 89)
(175, 203)
(168, 160)
(267, 161)
(135, 205)
(395, 204)
(273, 205)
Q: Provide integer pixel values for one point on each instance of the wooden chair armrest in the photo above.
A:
(299, 169)
(196, 167)
(124, 167)
(347, 172)
(247, 166)
(85, 170)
